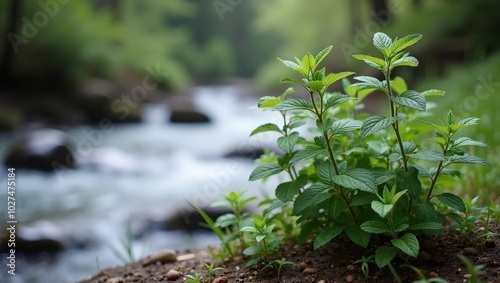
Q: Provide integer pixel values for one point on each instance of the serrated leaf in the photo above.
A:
(452, 201)
(468, 159)
(384, 255)
(428, 155)
(341, 127)
(375, 227)
(264, 171)
(357, 235)
(407, 243)
(292, 104)
(381, 208)
(411, 99)
(363, 198)
(306, 153)
(308, 62)
(444, 130)
(382, 42)
(337, 99)
(268, 101)
(367, 82)
(270, 127)
(287, 143)
(250, 229)
(315, 85)
(333, 77)
(468, 121)
(465, 141)
(253, 250)
(289, 80)
(404, 42)
(286, 191)
(399, 85)
(289, 64)
(309, 198)
(426, 226)
(371, 61)
(322, 54)
(409, 182)
(406, 60)
(335, 205)
(448, 171)
(326, 172)
(376, 123)
(358, 179)
(433, 92)
(327, 235)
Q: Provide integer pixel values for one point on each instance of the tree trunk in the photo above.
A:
(8, 50)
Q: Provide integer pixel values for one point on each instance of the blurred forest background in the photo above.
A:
(52, 52)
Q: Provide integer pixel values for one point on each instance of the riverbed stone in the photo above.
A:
(165, 256)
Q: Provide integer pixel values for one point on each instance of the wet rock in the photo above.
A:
(309, 271)
(173, 275)
(222, 279)
(469, 251)
(188, 219)
(248, 153)
(36, 246)
(43, 150)
(188, 116)
(165, 256)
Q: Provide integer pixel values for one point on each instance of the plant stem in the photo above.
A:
(434, 180)
(394, 273)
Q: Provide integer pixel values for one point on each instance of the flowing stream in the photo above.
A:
(146, 171)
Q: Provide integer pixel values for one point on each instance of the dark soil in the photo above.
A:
(331, 263)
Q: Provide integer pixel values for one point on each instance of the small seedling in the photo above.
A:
(365, 267)
(263, 241)
(193, 279)
(422, 278)
(211, 269)
(474, 270)
(281, 262)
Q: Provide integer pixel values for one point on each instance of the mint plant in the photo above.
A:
(361, 175)
(263, 243)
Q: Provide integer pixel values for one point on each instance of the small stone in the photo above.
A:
(309, 271)
(222, 279)
(467, 276)
(484, 260)
(115, 280)
(424, 256)
(242, 275)
(490, 243)
(350, 267)
(165, 256)
(302, 265)
(173, 275)
(433, 274)
(321, 281)
(470, 251)
(349, 278)
(428, 245)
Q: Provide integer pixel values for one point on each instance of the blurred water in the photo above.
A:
(151, 170)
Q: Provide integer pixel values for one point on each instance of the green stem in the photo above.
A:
(394, 273)
(434, 180)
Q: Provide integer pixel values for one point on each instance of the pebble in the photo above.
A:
(302, 265)
(467, 276)
(115, 280)
(349, 278)
(470, 251)
(350, 267)
(490, 243)
(424, 256)
(433, 274)
(309, 271)
(165, 256)
(242, 275)
(173, 274)
(222, 279)
(321, 281)
(484, 260)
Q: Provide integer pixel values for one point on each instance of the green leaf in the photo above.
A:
(371, 61)
(286, 191)
(363, 198)
(287, 143)
(464, 141)
(452, 201)
(404, 42)
(292, 104)
(326, 172)
(468, 159)
(468, 121)
(408, 243)
(375, 227)
(367, 82)
(333, 77)
(409, 182)
(315, 86)
(406, 60)
(344, 126)
(322, 54)
(335, 205)
(376, 123)
(399, 85)
(357, 235)
(358, 179)
(428, 155)
(382, 42)
(270, 127)
(308, 62)
(306, 153)
(337, 99)
(290, 81)
(444, 130)
(327, 235)
(250, 229)
(264, 171)
(425, 212)
(411, 99)
(309, 198)
(253, 250)
(384, 255)
(381, 208)
(426, 226)
(289, 64)
(268, 101)
(433, 92)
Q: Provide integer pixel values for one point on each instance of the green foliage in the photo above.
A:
(263, 242)
(474, 270)
(193, 278)
(280, 262)
(211, 269)
(365, 267)
(361, 175)
(422, 278)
